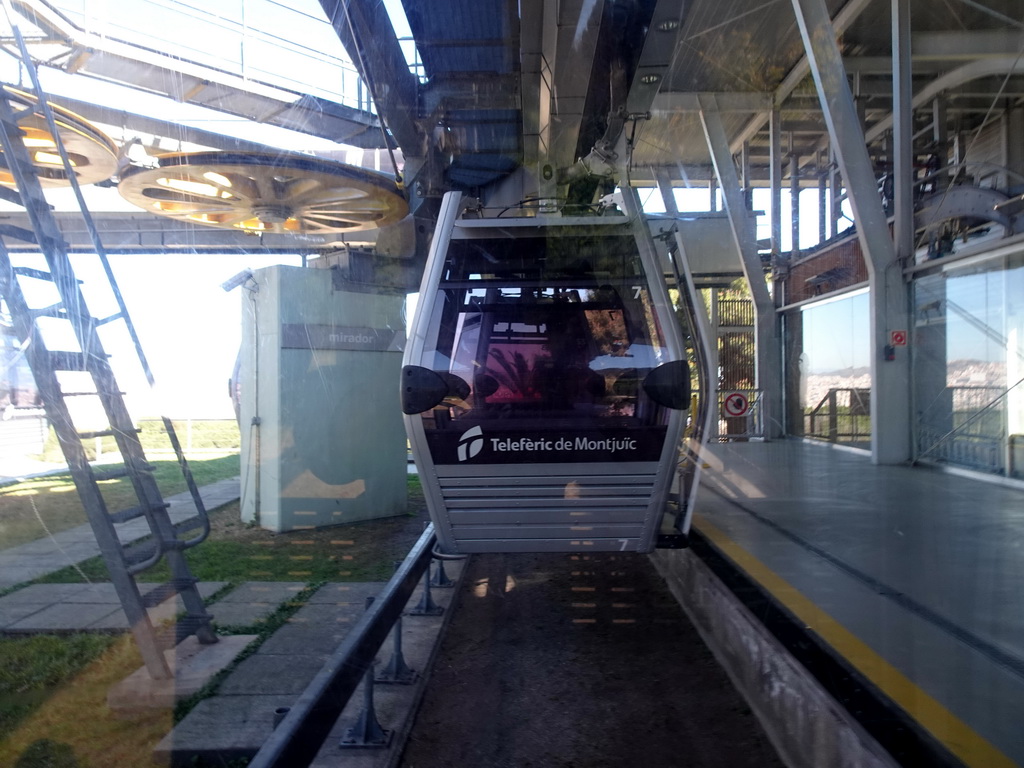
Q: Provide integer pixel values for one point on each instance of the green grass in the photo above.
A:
(46, 682)
(32, 668)
(210, 436)
(32, 509)
(237, 551)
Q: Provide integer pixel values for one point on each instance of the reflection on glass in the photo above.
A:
(835, 370)
(569, 345)
(969, 364)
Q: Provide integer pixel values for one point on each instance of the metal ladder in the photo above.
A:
(56, 371)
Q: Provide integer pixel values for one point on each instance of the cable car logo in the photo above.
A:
(471, 443)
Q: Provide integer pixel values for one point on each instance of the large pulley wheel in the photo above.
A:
(259, 192)
(92, 153)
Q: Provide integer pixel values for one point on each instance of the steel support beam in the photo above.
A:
(766, 329)
(835, 185)
(844, 19)
(365, 30)
(903, 131)
(775, 179)
(667, 192)
(822, 205)
(1001, 65)
(794, 205)
(890, 390)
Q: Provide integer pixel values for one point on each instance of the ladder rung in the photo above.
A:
(67, 361)
(54, 310)
(139, 553)
(107, 433)
(112, 473)
(18, 114)
(38, 274)
(19, 233)
(10, 195)
(86, 394)
(131, 513)
(99, 433)
(167, 590)
(64, 360)
(110, 319)
(190, 524)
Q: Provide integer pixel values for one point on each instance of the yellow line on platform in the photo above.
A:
(958, 737)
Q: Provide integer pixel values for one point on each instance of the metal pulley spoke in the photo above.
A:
(265, 193)
(92, 153)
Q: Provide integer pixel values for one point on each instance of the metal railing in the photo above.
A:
(294, 743)
(842, 416)
(974, 433)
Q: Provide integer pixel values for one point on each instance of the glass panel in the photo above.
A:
(968, 364)
(835, 370)
(541, 335)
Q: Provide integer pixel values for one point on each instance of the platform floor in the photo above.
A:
(557, 660)
(914, 575)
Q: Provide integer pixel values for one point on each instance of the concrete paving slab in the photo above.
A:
(395, 705)
(115, 621)
(313, 630)
(238, 615)
(341, 593)
(43, 594)
(63, 617)
(12, 614)
(40, 548)
(271, 673)
(205, 588)
(237, 721)
(221, 729)
(250, 603)
(100, 592)
(192, 664)
(263, 592)
(12, 575)
(56, 607)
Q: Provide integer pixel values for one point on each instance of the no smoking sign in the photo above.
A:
(735, 404)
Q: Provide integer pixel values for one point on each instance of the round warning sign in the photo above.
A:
(735, 404)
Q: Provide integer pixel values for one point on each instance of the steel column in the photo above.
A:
(940, 137)
(822, 202)
(835, 184)
(794, 203)
(902, 132)
(766, 333)
(775, 176)
(890, 391)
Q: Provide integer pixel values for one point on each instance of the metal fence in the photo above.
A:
(740, 415)
(305, 725)
(842, 416)
(969, 429)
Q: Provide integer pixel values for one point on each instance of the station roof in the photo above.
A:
(496, 84)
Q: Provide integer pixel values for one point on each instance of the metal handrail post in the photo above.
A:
(296, 741)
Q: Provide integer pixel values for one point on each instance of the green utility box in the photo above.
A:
(322, 436)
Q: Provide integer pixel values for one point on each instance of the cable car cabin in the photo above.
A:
(545, 384)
